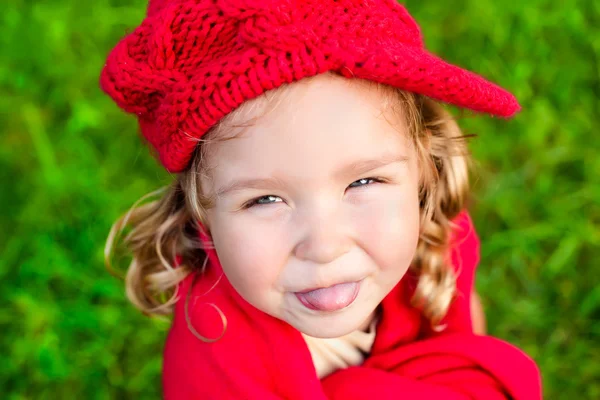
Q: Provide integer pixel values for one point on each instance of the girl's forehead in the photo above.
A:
(325, 117)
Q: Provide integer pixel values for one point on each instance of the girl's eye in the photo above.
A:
(270, 199)
(364, 182)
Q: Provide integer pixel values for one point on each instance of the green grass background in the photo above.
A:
(71, 162)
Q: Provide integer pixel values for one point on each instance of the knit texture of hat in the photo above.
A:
(191, 62)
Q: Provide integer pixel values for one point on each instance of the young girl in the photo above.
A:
(314, 243)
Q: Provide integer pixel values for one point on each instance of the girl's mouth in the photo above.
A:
(331, 298)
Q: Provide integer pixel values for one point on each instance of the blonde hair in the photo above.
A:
(165, 229)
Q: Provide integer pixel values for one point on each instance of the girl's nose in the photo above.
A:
(324, 240)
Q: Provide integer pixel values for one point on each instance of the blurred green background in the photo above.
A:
(71, 163)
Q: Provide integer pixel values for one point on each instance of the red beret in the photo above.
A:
(191, 62)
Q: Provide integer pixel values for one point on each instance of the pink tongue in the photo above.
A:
(332, 298)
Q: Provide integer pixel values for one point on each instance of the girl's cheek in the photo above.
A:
(389, 226)
(251, 246)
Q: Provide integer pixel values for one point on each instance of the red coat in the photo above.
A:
(261, 357)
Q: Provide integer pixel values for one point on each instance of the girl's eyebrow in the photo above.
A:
(362, 166)
(353, 168)
(253, 183)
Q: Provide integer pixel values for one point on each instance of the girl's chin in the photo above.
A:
(333, 325)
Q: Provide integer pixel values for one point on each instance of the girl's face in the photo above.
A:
(316, 216)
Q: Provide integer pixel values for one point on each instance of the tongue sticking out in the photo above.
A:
(332, 298)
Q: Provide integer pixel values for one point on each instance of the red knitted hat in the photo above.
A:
(191, 62)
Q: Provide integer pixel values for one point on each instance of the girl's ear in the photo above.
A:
(205, 237)
(447, 149)
(428, 175)
(424, 157)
